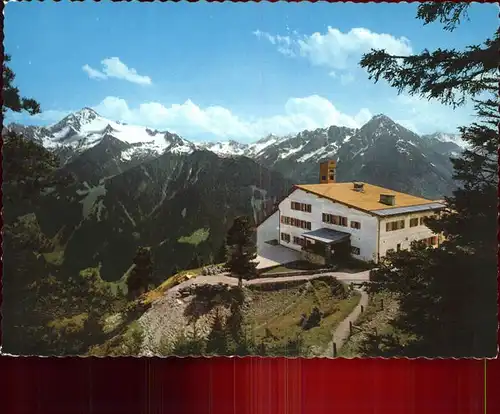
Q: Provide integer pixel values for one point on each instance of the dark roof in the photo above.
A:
(327, 236)
(409, 209)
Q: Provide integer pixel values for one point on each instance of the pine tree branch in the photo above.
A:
(446, 75)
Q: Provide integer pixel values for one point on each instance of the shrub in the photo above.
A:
(314, 319)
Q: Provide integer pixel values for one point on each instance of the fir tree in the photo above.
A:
(234, 326)
(12, 100)
(448, 295)
(449, 76)
(188, 345)
(221, 253)
(241, 250)
(140, 276)
(217, 341)
(27, 166)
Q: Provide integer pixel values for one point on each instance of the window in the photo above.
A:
(299, 241)
(323, 177)
(305, 225)
(290, 221)
(336, 220)
(395, 225)
(355, 250)
(414, 222)
(286, 220)
(355, 225)
(285, 237)
(422, 220)
(301, 207)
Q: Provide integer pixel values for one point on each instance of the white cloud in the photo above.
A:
(308, 113)
(192, 121)
(114, 68)
(423, 116)
(335, 49)
(93, 74)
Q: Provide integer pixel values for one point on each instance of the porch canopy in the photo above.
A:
(327, 236)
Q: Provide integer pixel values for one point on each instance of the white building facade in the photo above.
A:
(302, 215)
(363, 238)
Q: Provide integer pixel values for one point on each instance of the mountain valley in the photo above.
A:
(136, 187)
(140, 187)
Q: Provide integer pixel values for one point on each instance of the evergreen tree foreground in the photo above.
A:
(241, 249)
(448, 296)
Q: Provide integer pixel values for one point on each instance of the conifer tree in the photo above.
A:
(448, 295)
(241, 249)
(217, 341)
(26, 169)
(26, 165)
(190, 344)
(234, 326)
(12, 100)
(140, 276)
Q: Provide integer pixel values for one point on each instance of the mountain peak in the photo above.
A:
(77, 119)
(267, 138)
(381, 118)
(86, 113)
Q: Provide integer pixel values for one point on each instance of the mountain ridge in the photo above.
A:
(88, 121)
(381, 151)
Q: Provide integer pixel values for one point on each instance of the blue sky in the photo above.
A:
(226, 71)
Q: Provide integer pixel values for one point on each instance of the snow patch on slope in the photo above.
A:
(225, 148)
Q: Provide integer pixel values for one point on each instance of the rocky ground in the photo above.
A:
(168, 317)
(382, 309)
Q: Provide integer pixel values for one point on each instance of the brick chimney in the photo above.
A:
(327, 172)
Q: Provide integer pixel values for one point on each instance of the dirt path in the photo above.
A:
(341, 333)
(226, 279)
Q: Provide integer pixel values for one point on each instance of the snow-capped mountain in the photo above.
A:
(83, 130)
(233, 148)
(381, 151)
(225, 148)
(443, 137)
(131, 186)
